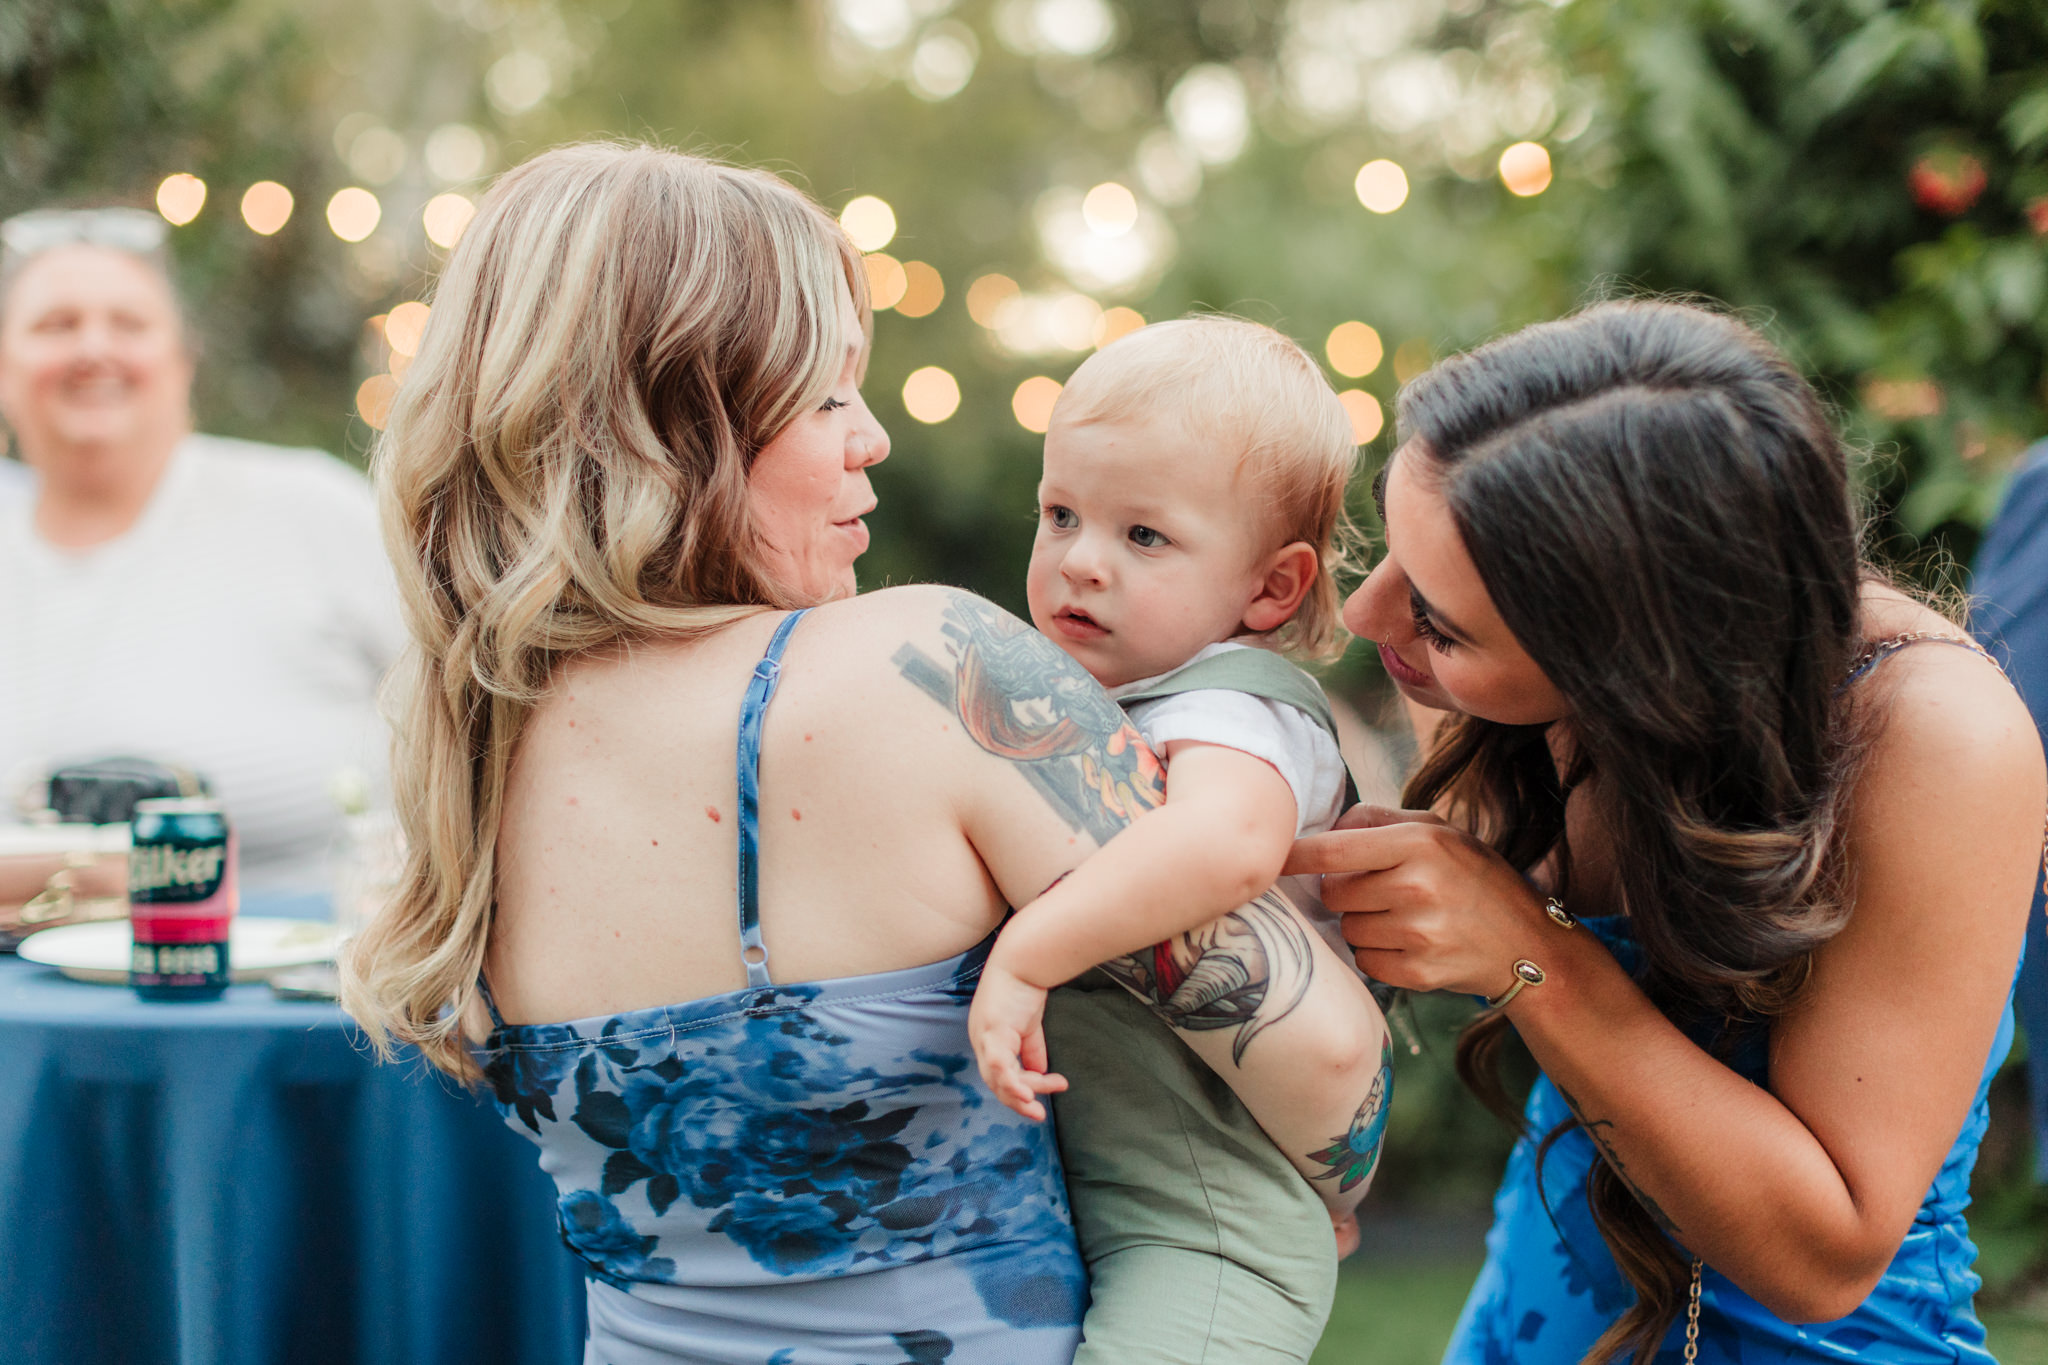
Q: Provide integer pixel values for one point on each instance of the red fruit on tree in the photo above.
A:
(2037, 215)
(1947, 183)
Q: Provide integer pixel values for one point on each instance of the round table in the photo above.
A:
(238, 1183)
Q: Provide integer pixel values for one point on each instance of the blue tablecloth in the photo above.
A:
(235, 1183)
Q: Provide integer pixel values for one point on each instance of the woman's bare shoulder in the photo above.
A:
(913, 606)
(1940, 700)
(1955, 769)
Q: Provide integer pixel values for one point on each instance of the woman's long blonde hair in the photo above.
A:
(565, 468)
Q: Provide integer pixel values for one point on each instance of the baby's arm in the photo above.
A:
(1219, 841)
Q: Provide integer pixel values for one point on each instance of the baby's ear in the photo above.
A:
(1289, 573)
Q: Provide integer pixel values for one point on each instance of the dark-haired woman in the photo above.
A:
(1738, 839)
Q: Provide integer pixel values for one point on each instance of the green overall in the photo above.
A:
(1204, 1245)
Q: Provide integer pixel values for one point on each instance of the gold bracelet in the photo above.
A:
(1527, 973)
(1561, 917)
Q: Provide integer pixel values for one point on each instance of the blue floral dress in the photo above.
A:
(797, 1174)
(1550, 1287)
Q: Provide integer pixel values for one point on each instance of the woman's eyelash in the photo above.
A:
(833, 405)
(1434, 638)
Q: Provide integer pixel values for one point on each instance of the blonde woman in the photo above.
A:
(624, 484)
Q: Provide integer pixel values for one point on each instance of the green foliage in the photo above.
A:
(1766, 155)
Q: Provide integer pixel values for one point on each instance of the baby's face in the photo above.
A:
(1148, 548)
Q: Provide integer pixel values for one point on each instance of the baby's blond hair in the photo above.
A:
(1267, 401)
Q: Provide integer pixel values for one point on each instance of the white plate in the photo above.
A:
(257, 947)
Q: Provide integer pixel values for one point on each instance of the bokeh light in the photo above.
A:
(1033, 401)
(1381, 186)
(943, 62)
(456, 152)
(404, 326)
(1110, 209)
(1525, 169)
(1055, 28)
(180, 198)
(931, 394)
(986, 296)
(923, 290)
(1105, 241)
(1366, 415)
(886, 281)
(376, 154)
(1117, 322)
(518, 81)
(266, 207)
(1411, 358)
(1209, 112)
(353, 213)
(869, 221)
(1354, 349)
(1046, 324)
(446, 217)
(373, 399)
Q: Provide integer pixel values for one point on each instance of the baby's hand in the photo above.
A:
(1006, 1024)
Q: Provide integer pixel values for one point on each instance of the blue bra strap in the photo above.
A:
(483, 988)
(753, 952)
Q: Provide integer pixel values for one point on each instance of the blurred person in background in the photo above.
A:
(212, 603)
(2009, 611)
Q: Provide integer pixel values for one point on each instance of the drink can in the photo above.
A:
(182, 898)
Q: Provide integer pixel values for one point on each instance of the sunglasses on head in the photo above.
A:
(136, 230)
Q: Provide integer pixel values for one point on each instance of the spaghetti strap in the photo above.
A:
(483, 988)
(1877, 651)
(760, 691)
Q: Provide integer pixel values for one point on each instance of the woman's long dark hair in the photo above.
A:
(1661, 510)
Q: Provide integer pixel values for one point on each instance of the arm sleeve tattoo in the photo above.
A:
(1024, 701)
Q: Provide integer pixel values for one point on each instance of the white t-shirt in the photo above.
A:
(1301, 750)
(240, 627)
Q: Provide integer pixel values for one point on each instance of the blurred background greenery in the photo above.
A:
(1385, 180)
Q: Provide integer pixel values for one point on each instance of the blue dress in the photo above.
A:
(797, 1174)
(1550, 1287)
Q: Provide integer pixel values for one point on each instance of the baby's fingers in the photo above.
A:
(1027, 1086)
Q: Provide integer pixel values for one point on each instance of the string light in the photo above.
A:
(1411, 358)
(405, 327)
(353, 213)
(923, 290)
(987, 295)
(1525, 169)
(1110, 210)
(931, 394)
(1354, 349)
(1365, 413)
(266, 207)
(180, 198)
(1116, 323)
(445, 218)
(887, 281)
(869, 221)
(373, 400)
(1032, 403)
(1381, 186)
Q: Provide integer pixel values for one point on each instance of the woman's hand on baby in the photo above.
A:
(1426, 906)
(1006, 1024)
